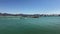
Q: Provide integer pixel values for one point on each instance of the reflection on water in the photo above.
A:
(42, 25)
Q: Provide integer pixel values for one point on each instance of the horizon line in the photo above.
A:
(31, 13)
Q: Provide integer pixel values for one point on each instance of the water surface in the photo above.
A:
(18, 25)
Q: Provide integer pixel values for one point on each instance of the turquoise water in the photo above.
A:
(17, 25)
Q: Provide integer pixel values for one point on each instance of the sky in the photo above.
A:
(30, 6)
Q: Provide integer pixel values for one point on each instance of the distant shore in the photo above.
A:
(27, 15)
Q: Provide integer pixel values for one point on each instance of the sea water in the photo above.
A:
(18, 25)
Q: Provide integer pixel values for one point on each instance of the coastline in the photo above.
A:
(27, 15)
